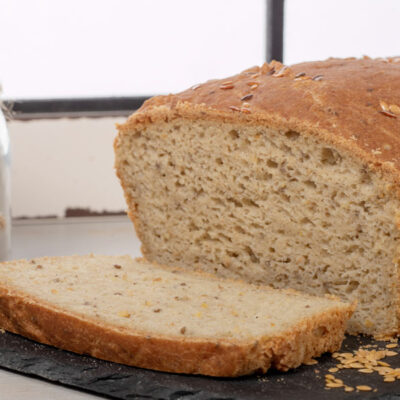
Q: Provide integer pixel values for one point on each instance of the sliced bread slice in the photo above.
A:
(141, 314)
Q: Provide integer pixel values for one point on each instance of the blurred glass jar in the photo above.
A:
(5, 217)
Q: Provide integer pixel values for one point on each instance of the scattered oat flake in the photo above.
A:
(226, 85)
(311, 362)
(348, 389)
(365, 361)
(393, 108)
(388, 114)
(317, 78)
(333, 385)
(387, 110)
(194, 87)
(391, 345)
(281, 72)
(383, 364)
(384, 105)
(389, 379)
(356, 365)
(364, 388)
(299, 75)
(246, 97)
(234, 108)
(366, 370)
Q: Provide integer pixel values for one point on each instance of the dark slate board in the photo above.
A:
(122, 382)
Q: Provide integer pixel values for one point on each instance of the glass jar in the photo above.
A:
(5, 214)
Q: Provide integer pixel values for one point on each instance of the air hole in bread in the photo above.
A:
(272, 164)
(310, 184)
(251, 254)
(352, 286)
(249, 202)
(330, 156)
(321, 331)
(292, 135)
(234, 134)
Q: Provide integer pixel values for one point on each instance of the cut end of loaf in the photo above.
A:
(267, 205)
(141, 314)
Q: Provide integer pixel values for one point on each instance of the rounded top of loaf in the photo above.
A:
(351, 103)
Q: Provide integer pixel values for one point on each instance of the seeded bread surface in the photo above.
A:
(137, 313)
(287, 176)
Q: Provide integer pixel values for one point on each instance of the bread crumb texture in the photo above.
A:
(282, 176)
(164, 318)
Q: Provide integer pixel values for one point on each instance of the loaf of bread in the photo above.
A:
(136, 313)
(287, 176)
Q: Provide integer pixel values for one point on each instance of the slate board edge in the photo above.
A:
(163, 392)
(92, 388)
(179, 395)
(57, 382)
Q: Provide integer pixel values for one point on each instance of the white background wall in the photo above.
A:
(125, 47)
(63, 163)
(318, 29)
(132, 47)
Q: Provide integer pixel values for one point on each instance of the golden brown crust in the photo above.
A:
(350, 103)
(45, 323)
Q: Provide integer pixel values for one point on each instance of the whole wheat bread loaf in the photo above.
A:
(137, 313)
(287, 176)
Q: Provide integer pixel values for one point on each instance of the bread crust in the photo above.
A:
(341, 105)
(47, 324)
(343, 102)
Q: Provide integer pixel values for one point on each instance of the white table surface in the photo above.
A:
(35, 238)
